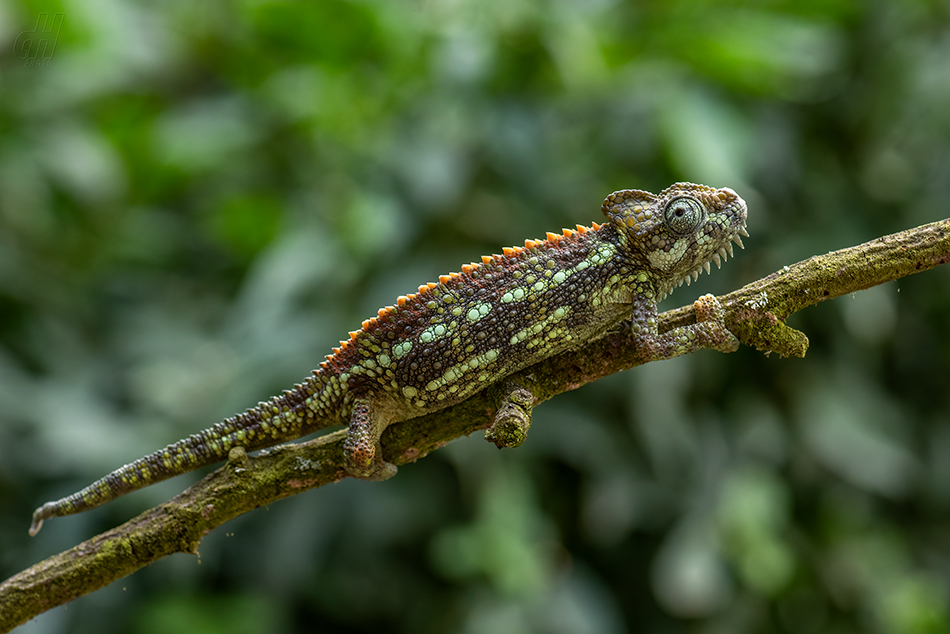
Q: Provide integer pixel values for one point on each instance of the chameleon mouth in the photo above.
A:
(723, 255)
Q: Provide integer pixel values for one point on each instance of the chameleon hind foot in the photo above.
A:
(363, 454)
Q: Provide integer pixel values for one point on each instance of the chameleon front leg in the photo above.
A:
(363, 453)
(709, 331)
(515, 403)
(513, 416)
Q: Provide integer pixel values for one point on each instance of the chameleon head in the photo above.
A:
(676, 234)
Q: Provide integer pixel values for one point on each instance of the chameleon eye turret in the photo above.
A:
(455, 337)
(683, 215)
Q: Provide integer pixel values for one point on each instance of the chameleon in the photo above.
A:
(471, 329)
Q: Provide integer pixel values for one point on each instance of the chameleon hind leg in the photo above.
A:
(363, 453)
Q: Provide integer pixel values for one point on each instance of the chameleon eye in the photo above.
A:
(683, 215)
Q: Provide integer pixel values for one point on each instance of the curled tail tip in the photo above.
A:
(39, 515)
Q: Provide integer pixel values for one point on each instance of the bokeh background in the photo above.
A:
(199, 199)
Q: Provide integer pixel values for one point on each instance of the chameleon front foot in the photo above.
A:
(709, 331)
(711, 319)
(513, 418)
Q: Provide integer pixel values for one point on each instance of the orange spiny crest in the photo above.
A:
(353, 334)
(431, 285)
(567, 232)
(444, 279)
(595, 226)
(468, 268)
(582, 229)
(553, 237)
(423, 289)
(507, 251)
(366, 324)
(401, 300)
(486, 259)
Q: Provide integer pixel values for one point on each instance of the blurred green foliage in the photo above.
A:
(197, 200)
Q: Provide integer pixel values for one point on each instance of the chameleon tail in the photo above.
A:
(283, 418)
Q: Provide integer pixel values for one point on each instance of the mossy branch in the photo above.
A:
(755, 313)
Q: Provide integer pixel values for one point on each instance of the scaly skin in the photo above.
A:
(451, 339)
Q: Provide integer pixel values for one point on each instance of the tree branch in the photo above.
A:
(755, 313)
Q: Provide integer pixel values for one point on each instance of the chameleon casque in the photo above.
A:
(454, 338)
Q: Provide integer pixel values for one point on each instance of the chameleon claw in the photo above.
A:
(710, 315)
(379, 471)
